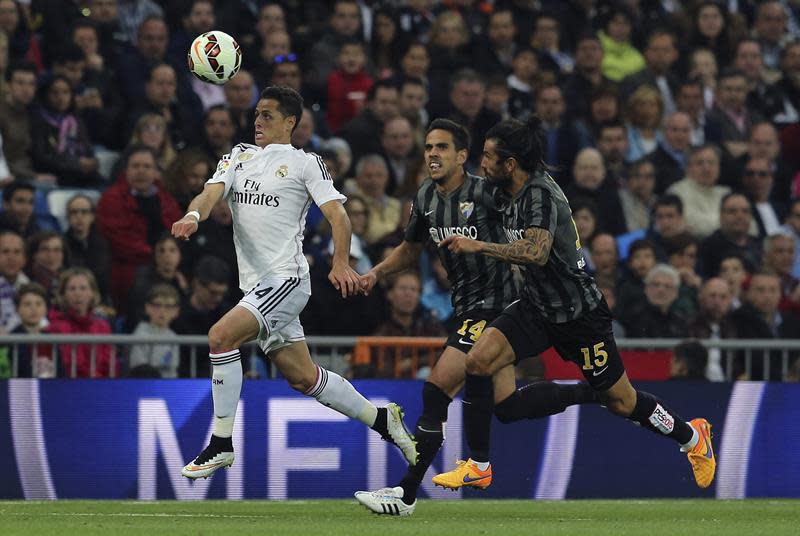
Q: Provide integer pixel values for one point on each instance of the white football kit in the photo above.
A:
(269, 191)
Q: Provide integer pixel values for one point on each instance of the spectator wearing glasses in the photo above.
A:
(85, 246)
(161, 307)
(757, 182)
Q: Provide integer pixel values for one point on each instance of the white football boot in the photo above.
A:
(207, 462)
(398, 434)
(386, 501)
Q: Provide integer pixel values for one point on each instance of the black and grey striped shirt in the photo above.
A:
(473, 210)
(561, 289)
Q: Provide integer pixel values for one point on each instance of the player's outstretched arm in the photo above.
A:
(199, 209)
(401, 258)
(534, 248)
(341, 276)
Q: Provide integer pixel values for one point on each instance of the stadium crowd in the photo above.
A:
(672, 127)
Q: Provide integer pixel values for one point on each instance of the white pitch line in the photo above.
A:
(130, 514)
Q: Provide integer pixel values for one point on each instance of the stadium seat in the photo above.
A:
(57, 202)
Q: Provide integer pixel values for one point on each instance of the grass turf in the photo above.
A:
(452, 518)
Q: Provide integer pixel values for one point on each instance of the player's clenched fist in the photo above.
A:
(368, 282)
(184, 227)
(460, 244)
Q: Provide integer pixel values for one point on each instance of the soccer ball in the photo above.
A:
(214, 57)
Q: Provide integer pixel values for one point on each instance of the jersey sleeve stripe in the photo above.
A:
(322, 168)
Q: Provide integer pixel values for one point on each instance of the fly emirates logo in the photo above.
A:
(251, 195)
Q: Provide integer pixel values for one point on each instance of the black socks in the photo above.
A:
(652, 413)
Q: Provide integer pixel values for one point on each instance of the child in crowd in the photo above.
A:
(162, 307)
(34, 360)
(347, 85)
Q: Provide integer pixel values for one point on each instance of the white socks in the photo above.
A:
(483, 466)
(226, 386)
(686, 447)
(337, 393)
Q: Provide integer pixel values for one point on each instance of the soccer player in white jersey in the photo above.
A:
(269, 187)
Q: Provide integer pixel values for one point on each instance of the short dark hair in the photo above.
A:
(38, 238)
(136, 149)
(412, 80)
(31, 288)
(83, 22)
(641, 245)
(459, 132)
(657, 32)
(679, 243)
(290, 103)
(731, 195)
(522, 141)
(219, 108)
(152, 69)
(211, 269)
(69, 53)
(692, 81)
(730, 72)
(466, 75)
(695, 356)
(385, 83)
(14, 187)
(669, 200)
(613, 123)
(21, 66)
(704, 147)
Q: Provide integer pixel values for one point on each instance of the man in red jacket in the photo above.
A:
(132, 214)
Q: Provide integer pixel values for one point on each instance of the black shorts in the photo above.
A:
(586, 341)
(468, 329)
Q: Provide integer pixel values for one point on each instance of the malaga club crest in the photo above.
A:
(282, 171)
(466, 208)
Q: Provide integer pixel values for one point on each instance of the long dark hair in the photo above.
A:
(524, 141)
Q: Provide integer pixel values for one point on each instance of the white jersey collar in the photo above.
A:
(278, 147)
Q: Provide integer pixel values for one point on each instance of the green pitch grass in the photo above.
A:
(451, 518)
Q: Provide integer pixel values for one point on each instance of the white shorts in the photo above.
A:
(277, 302)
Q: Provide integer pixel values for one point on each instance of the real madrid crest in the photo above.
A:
(466, 208)
(282, 171)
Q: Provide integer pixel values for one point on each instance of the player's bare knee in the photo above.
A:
(219, 338)
(619, 405)
(479, 364)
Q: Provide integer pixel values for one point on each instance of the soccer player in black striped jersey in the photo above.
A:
(455, 203)
(560, 306)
